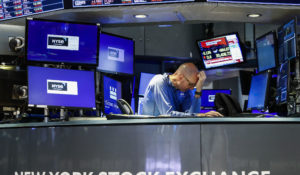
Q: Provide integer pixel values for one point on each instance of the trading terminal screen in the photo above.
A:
(90, 3)
(17, 8)
(61, 88)
(282, 83)
(259, 91)
(62, 42)
(281, 2)
(287, 41)
(221, 51)
(208, 97)
(265, 51)
(112, 91)
(145, 79)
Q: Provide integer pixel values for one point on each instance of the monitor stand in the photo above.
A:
(62, 115)
(46, 115)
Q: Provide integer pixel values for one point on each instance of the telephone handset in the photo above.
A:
(227, 105)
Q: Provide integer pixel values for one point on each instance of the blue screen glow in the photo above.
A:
(258, 91)
(116, 54)
(61, 42)
(144, 81)
(112, 91)
(265, 48)
(61, 87)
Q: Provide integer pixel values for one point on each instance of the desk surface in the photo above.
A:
(103, 121)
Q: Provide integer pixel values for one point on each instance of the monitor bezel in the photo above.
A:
(296, 42)
(217, 92)
(60, 107)
(227, 65)
(113, 72)
(102, 90)
(35, 62)
(268, 72)
(273, 33)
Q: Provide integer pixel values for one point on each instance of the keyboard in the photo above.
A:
(249, 115)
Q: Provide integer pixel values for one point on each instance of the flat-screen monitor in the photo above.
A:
(94, 3)
(116, 54)
(258, 95)
(277, 2)
(208, 97)
(51, 87)
(287, 41)
(145, 78)
(221, 51)
(283, 78)
(16, 8)
(61, 42)
(112, 91)
(266, 51)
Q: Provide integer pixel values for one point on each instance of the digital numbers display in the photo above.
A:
(281, 2)
(89, 3)
(16, 8)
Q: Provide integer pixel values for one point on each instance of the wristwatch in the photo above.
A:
(198, 93)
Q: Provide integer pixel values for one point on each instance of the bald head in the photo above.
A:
(187, 69)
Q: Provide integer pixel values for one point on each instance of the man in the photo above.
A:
(172, 95)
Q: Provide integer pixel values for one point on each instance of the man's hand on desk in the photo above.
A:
(210, 114)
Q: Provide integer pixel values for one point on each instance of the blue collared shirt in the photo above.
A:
(162, 98)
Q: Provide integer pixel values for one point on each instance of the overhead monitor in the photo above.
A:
(287, 41)
(51, 87)
(18, 8)
(221, 51)
(116, 54)
(61, 42)
(266, 51)
(89, 3)
(258, 95)
(275, 2)
(112, 91)
(145, 78)
(283, 79)
(208, 97)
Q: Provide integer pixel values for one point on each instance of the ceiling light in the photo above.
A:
(140, 16)
(254, 15)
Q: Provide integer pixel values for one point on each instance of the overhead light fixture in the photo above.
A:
(254, 15)
(140, 16)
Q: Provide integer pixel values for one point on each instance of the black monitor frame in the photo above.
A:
(224, 66)
(268, 72)
(32, 62)
(112, 72)
(273, 33)
(61, 107)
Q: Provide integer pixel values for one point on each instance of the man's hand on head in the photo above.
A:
(201, 79)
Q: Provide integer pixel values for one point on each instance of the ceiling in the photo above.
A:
(188, 12)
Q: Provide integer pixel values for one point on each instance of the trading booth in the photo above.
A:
(72, 94)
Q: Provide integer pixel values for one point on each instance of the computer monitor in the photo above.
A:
(266, 51)
(287, 41)
(116, 54)
(145, 78)
(61, 42)
(112, 91)
(221, 51)
(283, 79)
(258, 95)
(51, 87)
(208, 97)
